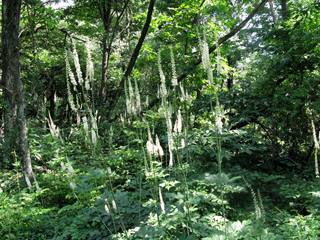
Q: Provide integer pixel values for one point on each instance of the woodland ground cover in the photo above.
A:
(111, 197)
(226, 147)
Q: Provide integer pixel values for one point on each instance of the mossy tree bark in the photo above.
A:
(16, 139)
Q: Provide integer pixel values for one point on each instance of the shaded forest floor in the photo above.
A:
(109, 193)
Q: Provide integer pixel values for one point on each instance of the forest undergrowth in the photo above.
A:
(146, 177)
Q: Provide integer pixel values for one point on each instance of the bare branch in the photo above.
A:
(133, 59)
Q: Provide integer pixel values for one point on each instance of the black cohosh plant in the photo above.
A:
(88, 121)
(154, 155)
(163, 161)
(163, 180)
(176, 137)
(82, 88)
(217, 113)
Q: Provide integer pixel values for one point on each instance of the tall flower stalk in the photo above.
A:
(217, 111)
(90, 119)
(317, 147)
(167, 108)
(173, 133)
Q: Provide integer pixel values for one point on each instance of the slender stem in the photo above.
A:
(140, 184)
(224, 214)
(186, 189)
(219, 154)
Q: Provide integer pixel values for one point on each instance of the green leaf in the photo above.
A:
(219, 179)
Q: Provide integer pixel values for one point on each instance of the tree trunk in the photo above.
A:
(15, 116)
(284, 11)
(9, 61)
(105, 63)
(115, 97)
(272, 12)
(105, 11)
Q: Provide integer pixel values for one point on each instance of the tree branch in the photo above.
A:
(69, 35)
(35, 30)
(193, 66)
(272, 12)
(133, 59)
(225, 38)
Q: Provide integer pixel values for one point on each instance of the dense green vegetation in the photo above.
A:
(165, 120)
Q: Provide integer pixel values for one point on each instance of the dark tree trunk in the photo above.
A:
(16, 139)
(230, 81)
(284, 11)
(10, 60)
(105, 11)
(110, 34)
(232, 60)
(105, 63)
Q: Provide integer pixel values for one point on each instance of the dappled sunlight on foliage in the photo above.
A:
(164, 120)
